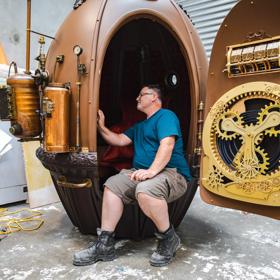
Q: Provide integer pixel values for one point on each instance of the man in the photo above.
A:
(159, 175)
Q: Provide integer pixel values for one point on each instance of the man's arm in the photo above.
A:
(162, 157)
(112, 138)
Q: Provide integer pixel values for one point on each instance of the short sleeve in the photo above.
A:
(130, 133)
(168, 125)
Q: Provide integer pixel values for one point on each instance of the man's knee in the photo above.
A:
(107, 190)
(144, 195)
(145, 201)
(148, 193)
(141, 192)
(109, 193)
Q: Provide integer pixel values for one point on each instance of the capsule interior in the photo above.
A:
(143, 51)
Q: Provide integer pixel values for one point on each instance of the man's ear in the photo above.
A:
(155, 97)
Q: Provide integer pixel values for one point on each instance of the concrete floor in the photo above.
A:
(216, 244)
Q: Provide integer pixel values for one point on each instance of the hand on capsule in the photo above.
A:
(100, 119)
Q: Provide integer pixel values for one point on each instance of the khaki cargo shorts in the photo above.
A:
(168, 185)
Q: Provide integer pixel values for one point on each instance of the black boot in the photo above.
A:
(101, 250)
(168, 243)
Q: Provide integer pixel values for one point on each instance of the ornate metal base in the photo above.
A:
(79, 182)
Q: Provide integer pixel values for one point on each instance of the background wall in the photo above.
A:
(47, 15)
(207, 16)
(46, 18)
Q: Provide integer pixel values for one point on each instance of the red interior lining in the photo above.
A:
(121, 157)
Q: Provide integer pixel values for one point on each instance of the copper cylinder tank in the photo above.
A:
(56, 110)
(24, 102)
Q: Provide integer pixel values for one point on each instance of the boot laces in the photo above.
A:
(163, 248)
(97, 243)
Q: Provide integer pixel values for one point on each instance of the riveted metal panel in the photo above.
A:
(207, 16)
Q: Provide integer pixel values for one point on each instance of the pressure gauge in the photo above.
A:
(77, 50)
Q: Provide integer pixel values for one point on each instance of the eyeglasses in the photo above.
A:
(144, 93)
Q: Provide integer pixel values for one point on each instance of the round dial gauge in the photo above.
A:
(77, 50)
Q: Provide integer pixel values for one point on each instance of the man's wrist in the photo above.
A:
(102, 128)
(155, 172)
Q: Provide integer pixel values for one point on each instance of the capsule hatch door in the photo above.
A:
(241, 135)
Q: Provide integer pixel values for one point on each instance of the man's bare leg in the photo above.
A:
(103, 248)
(155, 209)
(168, 240)
(112, 209)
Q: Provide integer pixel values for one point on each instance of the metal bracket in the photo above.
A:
(78, 3)
(11, 98)
(60, 58)
(48, 107)
(82, 69)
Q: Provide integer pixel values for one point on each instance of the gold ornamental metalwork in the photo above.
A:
(242, 159)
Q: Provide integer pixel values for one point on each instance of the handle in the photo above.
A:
(15, 68)
(62, 182)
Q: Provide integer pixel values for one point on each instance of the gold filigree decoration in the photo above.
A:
(275, 197)
(215, 179)
(265, 187)
(273, 90)
(237, 150)
(251, 187)
(276, 182)
(217, 110)
(247, 187)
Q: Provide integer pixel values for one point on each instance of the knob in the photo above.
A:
(15, 129)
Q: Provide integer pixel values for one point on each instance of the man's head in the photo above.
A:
(149, 98)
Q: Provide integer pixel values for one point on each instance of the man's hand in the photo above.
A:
(142, 174)
(112, 138)
(100, 119)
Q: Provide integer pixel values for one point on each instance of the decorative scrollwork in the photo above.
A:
(215, 179)
(217, 110)
(251, 187)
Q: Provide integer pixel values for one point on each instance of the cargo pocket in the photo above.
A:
(171, 182)
(178, 186)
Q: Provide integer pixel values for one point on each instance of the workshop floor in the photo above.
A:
(217, 244)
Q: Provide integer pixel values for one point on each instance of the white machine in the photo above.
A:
(13, 186)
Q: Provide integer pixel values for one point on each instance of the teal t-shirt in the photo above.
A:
(146, 136)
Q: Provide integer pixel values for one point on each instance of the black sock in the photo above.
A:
(167, 229)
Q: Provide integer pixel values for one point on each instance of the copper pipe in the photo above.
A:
(78, 116)
(28, 26)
